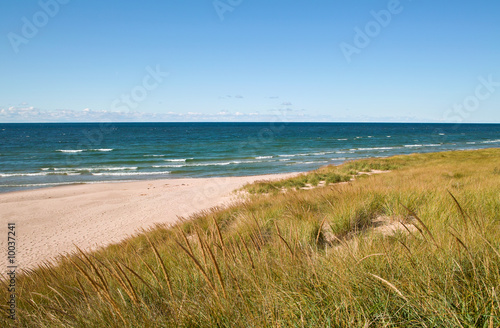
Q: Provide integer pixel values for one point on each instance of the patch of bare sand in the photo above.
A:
(51, 221)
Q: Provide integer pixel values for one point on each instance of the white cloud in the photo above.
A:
(231, 97)
(27, 114)
(32, 114)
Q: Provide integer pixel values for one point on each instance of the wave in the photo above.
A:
(424, 145)
(130, 173)
(178, 159)
(471, 143)
(379, 148)
(70, 150)
(341, 139)
(124, 168)
(96, 168)
(206, 164)
(37, 184)
(292, 155)
(263, 157)
(490, 141)
(67, 171)
(154, 155)
(82, 150)
(8, 175)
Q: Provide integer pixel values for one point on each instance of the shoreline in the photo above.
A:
(52, 221)
(97, 182)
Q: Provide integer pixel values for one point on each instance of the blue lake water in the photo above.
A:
(50, 154)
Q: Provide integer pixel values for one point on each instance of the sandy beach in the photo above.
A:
(51, 221)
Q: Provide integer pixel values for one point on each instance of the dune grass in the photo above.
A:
(326, 175)
(302, 258)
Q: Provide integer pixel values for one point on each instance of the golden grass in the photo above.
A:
(304, 258)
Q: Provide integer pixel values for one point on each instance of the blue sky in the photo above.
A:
(250, 60)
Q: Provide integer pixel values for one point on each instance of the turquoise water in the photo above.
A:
(44, 155)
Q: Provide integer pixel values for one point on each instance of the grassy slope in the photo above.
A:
(304, 258)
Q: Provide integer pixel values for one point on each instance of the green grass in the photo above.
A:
(300, 258)
(327, 175)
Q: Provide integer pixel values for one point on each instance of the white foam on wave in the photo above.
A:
(471, 143)
(70, 150)
(411, 146)
(129, 173)
(292, 155)
(7, 175)
(263, 157)
(124, 168)
(82, 150)
(249, 162)
(113, 168)
(177, 159)
(490, 141)
(154, 155)
(341, 139)
(37, 184)
(206, 164)
(378, 148)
